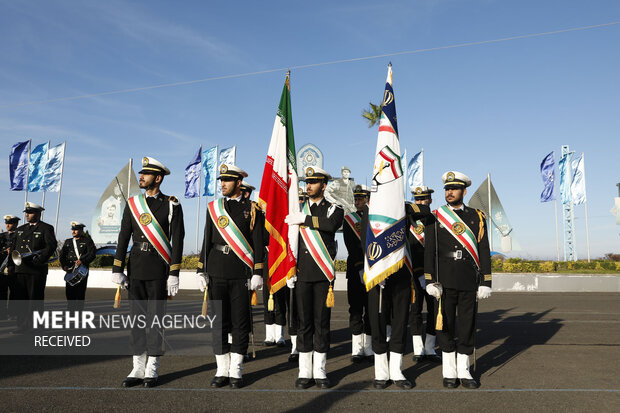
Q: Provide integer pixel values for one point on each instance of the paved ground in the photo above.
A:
(536, 352)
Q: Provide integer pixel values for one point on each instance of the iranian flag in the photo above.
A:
(279, 195)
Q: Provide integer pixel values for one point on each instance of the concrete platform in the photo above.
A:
(536, 352)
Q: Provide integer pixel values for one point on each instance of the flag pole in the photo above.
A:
(198, 210)
(129, 172)
(422, 166)
(62, 170)
(583, 159)
(489, 218)
(27, 176)
(557, 237)
(44, 191)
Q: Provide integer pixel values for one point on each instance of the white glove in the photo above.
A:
(422, 281)
(296, 218)
(256, 283)
(435, 290)
(120, 279)
(203, 281)
(484, 292)
(173, 285)
(290, 283)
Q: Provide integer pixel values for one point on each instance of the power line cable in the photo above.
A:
(311, 65)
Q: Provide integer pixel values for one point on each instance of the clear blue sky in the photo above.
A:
(495, 108)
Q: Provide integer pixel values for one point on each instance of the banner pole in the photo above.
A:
(586, 205)
(62, 170)
(27, 176)
(47, 155)
(198, 209)
(557, 236)
(422, 166)
(489, 218)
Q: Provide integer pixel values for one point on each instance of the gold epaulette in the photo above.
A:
(415, 208)
(254, 208)
(483, 220)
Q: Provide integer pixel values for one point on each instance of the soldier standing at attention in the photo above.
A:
(422, 349)
(361, 339)
(7, 275)
(232, 250)
(155, 221)
(457, 267)
(319, 220)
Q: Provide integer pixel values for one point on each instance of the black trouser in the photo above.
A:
(235, 317)
(147, 299)
(76, 294)
(415, 313)
(291, 305)
(463, 303)
(314, 316)
(29, 293)
(394, 311)
(358, 305)
(278, 315)
(7, 294)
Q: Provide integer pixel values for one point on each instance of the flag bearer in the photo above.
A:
(7, 275)
(319, 220)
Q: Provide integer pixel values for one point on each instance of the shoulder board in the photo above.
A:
(415, 207)
(174, 200)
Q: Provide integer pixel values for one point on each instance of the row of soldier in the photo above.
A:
(22, 284)
(450, 274)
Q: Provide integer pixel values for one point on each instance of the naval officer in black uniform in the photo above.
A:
(388, 302)
(77, 250)
(7, 275)
(34, 236)
(454, 278)
(311, 285)
(150, 277)
(227, 275)
(423, 349)
(359, 324)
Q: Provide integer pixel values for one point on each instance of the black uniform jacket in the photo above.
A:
(326, 218)
(86, 249)
(460, 274)
(6, 241)
(217, 263)
(39, 236)
(145, 263)
(415, 247)
(355, 260)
